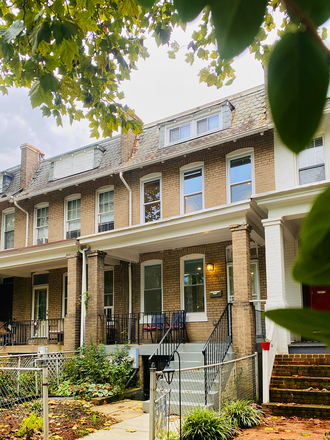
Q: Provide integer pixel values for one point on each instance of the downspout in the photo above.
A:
(129, 302)
(27, 221)
(130, 197)
(83, 297)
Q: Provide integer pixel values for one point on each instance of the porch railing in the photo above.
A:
(32, 332)
(216, 348)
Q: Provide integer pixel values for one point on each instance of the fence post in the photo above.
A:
(256, 375)
(220, 386)
(45, 399)
(152, 402)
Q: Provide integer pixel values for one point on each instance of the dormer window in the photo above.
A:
(6, 179)
(178, 133)
(208, 124)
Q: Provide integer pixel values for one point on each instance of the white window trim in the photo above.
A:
(107, 269)
(190, 167)
(236, 155)
(146, 179)
(326, 162)
(254, 261)
(66, 200)
(4, 213)
(99, 191)
(36, 207)
(64, 282)
(34, 288)
(147, 318)
(192, 317)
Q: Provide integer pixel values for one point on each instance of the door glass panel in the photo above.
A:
(108, 293)
(153, 288)
(40, 313)
(194, 301)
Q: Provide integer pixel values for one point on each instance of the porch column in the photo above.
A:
(243, 314)
(95, 300)
(275, 268)
(72, 319)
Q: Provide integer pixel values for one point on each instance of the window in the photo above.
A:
(5, 180)
(151, 198)
(8, 221)
(208, 124)
(192, 189)
(40, 305)
(105, 209)
(72, 217)
(41, 224)
(178, 133)
(239, 176)
(108, 293)
(311, 163)
(254, 282)
(65, 295)
(193, 287)
(152, 287)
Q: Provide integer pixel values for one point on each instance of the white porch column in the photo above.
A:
(276, 295)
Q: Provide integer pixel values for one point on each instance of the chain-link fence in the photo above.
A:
(208, 386)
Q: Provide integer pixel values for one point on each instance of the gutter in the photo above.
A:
(27, 221)
(130, 198)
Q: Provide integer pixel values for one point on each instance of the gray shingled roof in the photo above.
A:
(14, 185)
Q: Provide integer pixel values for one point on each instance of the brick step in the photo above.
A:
(301, 370)
(302, 359)
(299, 396)
(297, 410)
(300, 383)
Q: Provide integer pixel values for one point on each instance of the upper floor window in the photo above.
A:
(152, 287)
(192, 188)
(41, 224)
(208, 124)
(105, 209)
(151, 198)
(5, 180)
(240, 177)
(72, 216)
(8, 226)
(178, 133)
(311, 163)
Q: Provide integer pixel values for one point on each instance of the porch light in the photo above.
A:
(168, 373)
(209, 267)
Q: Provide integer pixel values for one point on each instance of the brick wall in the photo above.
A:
(29, 163)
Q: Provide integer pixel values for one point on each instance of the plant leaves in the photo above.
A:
(236, 24)
(313, 263)
(189, 9)
(317, 10)
(296, 88)
(311, 324)
(49, 82)
(147, 4)
(13, 30)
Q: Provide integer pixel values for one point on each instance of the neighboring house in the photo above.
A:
(203, 208)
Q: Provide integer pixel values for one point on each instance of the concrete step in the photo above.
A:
(299, 396)
(300, 383)
(298, 410)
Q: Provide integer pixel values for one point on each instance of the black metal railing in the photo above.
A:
(216, 348)
(137, 328)
(35, 332)
(173, 337)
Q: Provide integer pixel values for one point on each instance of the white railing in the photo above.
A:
(268, 358)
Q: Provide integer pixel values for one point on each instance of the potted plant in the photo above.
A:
(265, 344)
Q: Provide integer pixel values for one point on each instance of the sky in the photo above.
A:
(161, 87)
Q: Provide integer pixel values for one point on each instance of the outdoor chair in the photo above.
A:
(157, 326)
(178, 322)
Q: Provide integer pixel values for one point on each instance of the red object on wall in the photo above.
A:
(265, 345)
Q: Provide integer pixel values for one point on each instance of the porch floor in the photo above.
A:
(307, 347)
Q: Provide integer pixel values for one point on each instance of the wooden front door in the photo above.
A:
(318, 297)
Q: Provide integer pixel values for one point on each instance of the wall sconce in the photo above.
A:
(209, 267)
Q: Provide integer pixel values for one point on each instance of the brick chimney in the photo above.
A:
(30, 158)
(127, 143)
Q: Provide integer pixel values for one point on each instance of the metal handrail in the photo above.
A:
(217, 347)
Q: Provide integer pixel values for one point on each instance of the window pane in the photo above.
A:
(10, 222)
(185, 131)
(241, 192)
(152, 212)
(74, 225)
(254, 281)
(107, 217)
(9, 240)
(311, 175)
(108, 300)
(153, 277)
(193, 203)
(193, 182)
(202, 126)
(174, 135)
(41, 278)
(240, 169)
(194, 299)
(151, 191)
(214, 122)
(193, 272)
(152, 300)
(231, 284)
(108, 281)
(42, 232)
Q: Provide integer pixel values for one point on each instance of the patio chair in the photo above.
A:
(178, 321)
(157, 326)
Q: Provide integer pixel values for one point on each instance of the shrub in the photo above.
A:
(29, 426)
(242, 413)
(203, 424)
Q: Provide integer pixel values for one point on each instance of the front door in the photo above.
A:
(318, 297)
(40, 312)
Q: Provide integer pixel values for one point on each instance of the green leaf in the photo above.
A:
(313, 264)
(147, 4)
(12, 32)
(38, 95)
(296, 88)
(189, 9)
(49, 82)
(45, 111)
(309, 323)
(68, 50)
(316, 10)
(40, 33)
(7, 50)
(236, 24)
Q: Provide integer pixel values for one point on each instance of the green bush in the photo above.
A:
(29, 426)
(242, 413)
(203, 424)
